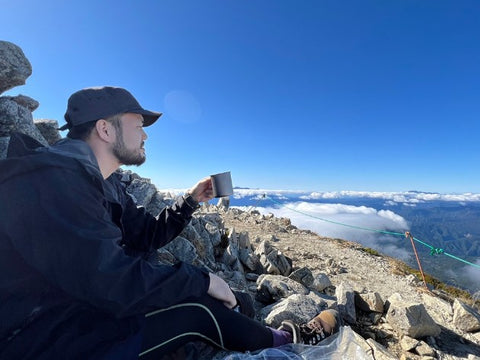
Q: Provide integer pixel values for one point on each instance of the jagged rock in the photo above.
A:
(369, 302)
(465, 317)
(321, 282)
(346, 302)
(380, 352)
(14, 66)
(297, 307)
(142, 191)
(157, 203)
(410, 318)
(48, 129)
(303, 276)
(15, 117)
(183, 250)
(407, 343)
(4, 140)
(271, 288)
(424, 350)
(440, 310)
(273, 260)
(25, 101)
(246, 254)
(251, 261)
(223, 203)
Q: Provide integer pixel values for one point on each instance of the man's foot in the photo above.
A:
(321, 326)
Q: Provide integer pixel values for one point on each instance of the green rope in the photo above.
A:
(433, 250)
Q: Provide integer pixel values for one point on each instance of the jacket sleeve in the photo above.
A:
(60, 227)
(145, 232)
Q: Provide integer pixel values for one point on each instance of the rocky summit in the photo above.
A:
(289, 272)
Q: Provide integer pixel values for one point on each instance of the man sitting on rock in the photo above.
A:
(75, 282)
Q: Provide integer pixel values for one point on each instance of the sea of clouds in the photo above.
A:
(362, 224)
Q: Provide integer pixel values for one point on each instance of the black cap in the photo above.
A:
(96, 103)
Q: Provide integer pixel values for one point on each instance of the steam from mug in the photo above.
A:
(222, 184)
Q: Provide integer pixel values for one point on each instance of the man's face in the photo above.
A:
(130, 138)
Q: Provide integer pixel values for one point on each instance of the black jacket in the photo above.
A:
(69, 282)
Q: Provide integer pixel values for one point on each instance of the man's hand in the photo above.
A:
(202, 191)
(220, 290)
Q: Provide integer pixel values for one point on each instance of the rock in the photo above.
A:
(142, 191)
(4, 140)
(14, 66)
(369, 302)
(48, 129)
(407, 343)
(321, 282)
(223, 203)
(297, 307)
(15, 117)
(25, 101)
(272, 259)
(424, 350)
(380, 352)
(410, 318)
(440, 310)
(346, 302)
(303, 275)
(183, 250)
(271, 288)
(465, 317)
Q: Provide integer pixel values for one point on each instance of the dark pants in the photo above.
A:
(205, 319)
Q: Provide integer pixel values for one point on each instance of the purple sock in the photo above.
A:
(281, 337)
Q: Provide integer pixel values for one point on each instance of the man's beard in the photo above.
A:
(126, 156)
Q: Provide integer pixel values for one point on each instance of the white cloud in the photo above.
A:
(406, 198)
(472, 273)
(355, 223)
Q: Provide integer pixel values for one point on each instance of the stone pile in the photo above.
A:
(390, 327)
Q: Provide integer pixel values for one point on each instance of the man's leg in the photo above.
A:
(205, 319)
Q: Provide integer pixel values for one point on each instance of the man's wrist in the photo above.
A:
(190, 201)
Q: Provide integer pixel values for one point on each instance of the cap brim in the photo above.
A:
(63, 127)
(149, 117)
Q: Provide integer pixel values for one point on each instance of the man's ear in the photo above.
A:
(105, 130)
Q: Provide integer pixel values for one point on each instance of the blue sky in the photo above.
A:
(369, 95)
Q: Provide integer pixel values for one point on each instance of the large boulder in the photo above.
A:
(465, 317)
(14, 66)
(410, 318)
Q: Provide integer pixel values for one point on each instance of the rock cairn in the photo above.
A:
(251, 252)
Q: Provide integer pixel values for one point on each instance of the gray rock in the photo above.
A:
(14, 66)
(271, 288)
(346, 302)
(410, 318)
(465, 317)
(407, 343)
(223, 203)
(423, 349)
(440, 310)
(273, 260)
(48, 129)
(303, 275)
(251, 261)
(321, 282)
(142, 191)
(371, 301)
(183, 250)
(4, 140)
(380, 352)
(297, 307)
(25, 101)
(14, 117)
